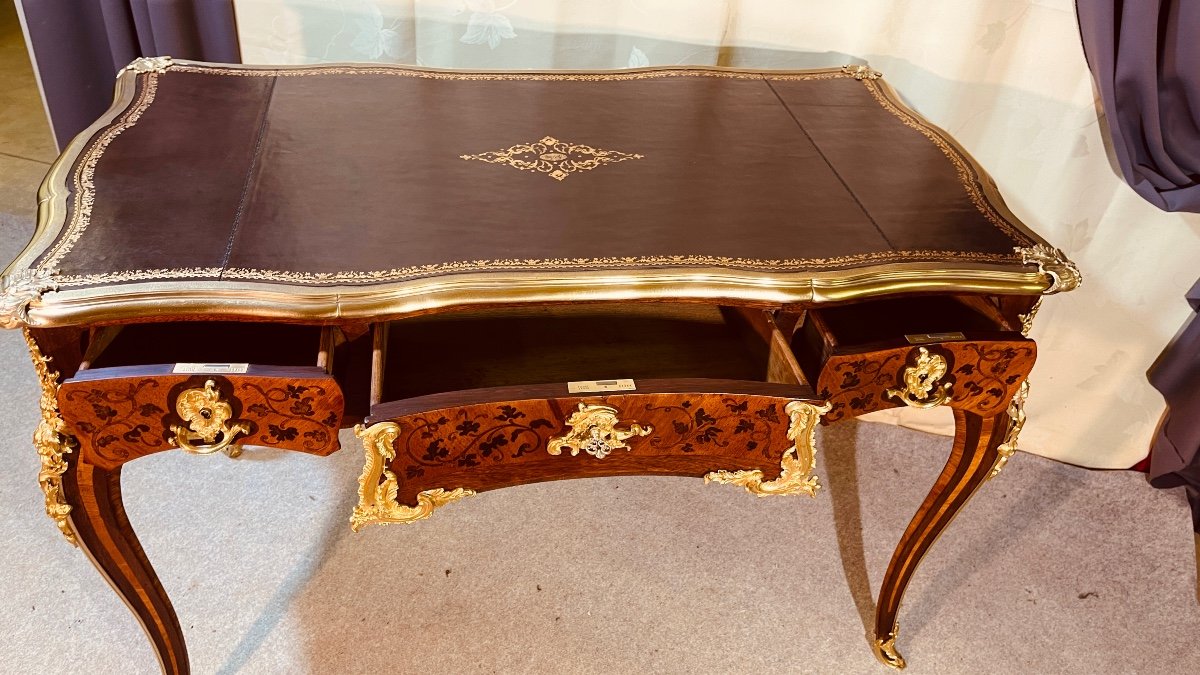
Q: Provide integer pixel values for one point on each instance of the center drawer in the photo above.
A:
(479, 401)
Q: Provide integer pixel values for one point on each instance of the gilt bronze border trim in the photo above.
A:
(286, 295)
(52, 442)
(282, 302)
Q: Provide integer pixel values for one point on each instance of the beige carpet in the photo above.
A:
(1052, 569)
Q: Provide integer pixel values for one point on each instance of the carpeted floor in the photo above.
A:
(1051, 569)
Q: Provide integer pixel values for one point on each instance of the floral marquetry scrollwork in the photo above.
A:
(114, 417)
(733, 422)
(292, 414)
(469, 436)
(121, 418)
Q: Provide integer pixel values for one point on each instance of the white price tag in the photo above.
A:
(592, 386)
(210, 368)
(926, 338)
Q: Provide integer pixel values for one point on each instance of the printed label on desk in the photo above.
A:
(925, 338)
(592, 386)
(210, 368)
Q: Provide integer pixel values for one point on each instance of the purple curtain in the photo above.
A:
(1145, 56)
(1175, 452)
(79, 45)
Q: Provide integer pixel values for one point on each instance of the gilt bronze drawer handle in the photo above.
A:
(922, 388)
(206, 418)
(594, 431)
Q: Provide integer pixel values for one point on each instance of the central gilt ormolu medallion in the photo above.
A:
(555, 158)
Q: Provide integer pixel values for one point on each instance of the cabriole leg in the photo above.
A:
(975, 452)
(85, 502)
(103, 531)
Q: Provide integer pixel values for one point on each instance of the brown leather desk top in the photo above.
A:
(329, 192)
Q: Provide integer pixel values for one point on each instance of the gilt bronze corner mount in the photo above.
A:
(796, 474)
(378, 487)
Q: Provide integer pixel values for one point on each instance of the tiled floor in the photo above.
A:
(1051, 569)
(26, 147)
(24, 133)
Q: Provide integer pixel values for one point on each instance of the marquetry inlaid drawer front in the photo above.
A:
(748, 440)
(982, 376)
(121, 413)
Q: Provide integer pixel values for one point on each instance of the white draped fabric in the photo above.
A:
(1006, 77)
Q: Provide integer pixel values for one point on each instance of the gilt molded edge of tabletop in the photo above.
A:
(36, 293)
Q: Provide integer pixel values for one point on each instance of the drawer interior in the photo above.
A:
(883, 320)
(463, 354)
(893, 322)
(207, 342)
(559, 344)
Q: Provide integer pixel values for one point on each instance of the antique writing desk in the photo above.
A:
(660, 271)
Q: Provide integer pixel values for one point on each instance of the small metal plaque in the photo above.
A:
(210, 368)
(925, 338)
(592, 386)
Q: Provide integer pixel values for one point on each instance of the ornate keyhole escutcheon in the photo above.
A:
(207, 428)
(923, 387)
(593, 429)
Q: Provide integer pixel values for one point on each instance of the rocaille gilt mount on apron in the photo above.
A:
(407, 445)
(621, 249)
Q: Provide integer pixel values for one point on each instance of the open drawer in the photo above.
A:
(918, 351)
(203, 387)
(473, 402)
